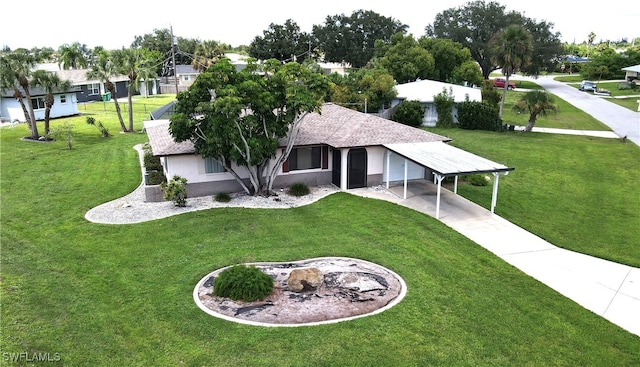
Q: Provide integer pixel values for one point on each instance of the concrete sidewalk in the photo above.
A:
(551, 130)
(606, 288)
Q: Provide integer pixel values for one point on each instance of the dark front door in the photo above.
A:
(337, 166)
(357, 168)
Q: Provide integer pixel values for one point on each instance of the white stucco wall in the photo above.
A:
(192, 168)
(397, 163)
(11, 109)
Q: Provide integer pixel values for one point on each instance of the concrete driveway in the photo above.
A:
(622, 121)
(605, 288)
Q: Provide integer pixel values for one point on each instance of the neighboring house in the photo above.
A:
(632, 73)
(93, 89)
(339, 146)
(424, 91)
(65, 104)
(334, 67)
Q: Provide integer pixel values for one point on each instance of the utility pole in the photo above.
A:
(173, 58)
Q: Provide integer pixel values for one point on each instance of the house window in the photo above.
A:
(212, 165)
(305, 158)
(185, 78)
(63, 99)
(38, 103)
(93, 89)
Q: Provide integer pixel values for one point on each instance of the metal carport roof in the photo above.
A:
(445, 161)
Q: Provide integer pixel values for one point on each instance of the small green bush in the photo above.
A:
(478, 116)
(175, 190)
(477, 180)
(64, 132)
(104, 132)
(409, 113)
(444, 103)
(299, 189)
(243, 283)
(223, 197)
(151, 162)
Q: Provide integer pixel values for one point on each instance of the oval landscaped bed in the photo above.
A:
(348, 288)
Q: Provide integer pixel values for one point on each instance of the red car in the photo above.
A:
(499, 83)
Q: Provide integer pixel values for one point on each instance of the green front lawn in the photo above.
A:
(121, 295)
(568, 116)
(579, 193)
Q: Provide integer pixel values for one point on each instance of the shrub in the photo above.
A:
(444, 103)
(478, 116)
(477, 180)
(409, 113)
(299, 189)
(222, 197)
(243, 283)
(64, 132)
(104, 132)
(151, 162)
(175, 190)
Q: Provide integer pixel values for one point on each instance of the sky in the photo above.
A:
(113, 24)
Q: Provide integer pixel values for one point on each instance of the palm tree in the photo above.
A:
(510, 49)
(146, 74)
(15, 73)
(536, 103)
(591, 38)
(73, 56)
(127, 61)
(103, 69)
(50, 83)
(206, 54)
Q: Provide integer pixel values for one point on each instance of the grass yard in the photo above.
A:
(579, 193)
(568, 116)
(121, 295)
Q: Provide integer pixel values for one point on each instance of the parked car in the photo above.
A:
(587, 86)
(499, 83)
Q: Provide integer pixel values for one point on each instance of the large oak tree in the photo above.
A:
(240, 117)
(475, 23)
(282, 42)
(352, 38)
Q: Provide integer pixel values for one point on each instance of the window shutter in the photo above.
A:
(325, 157)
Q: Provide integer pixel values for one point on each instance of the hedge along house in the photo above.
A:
(424, 91)
(339, 146)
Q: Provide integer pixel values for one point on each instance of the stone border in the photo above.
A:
(197, 293)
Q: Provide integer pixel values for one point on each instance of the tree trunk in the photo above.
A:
(130, 99)
(112, 89)
(48, 103)
(34, 126)
(531, 123)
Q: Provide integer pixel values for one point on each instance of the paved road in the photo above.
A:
(622, 121)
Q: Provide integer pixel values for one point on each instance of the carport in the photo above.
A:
(444, 161)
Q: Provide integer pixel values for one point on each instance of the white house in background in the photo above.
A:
(339, 146)
(334, 67)
(65, 104)
(632, 73)
(424, 91)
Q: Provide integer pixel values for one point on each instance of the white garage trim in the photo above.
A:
(445, 161)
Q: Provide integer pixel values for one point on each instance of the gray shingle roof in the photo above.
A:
(162, 142)
(336, 126)
(342, 127)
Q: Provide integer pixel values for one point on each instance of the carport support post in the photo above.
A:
(388, 168)
(405, 178)
(455, 185)
(439, 179)
(494, 197)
